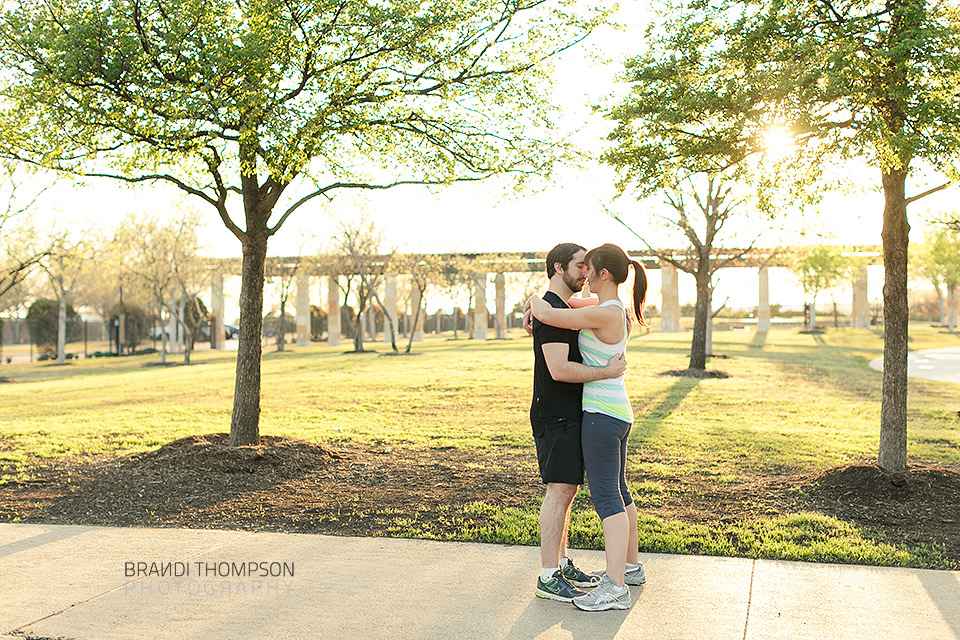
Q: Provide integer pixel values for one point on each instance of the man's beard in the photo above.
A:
(572, 283)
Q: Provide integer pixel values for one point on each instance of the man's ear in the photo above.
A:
(557, 269)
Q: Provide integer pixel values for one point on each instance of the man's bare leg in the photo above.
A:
(565, 540)
(554, 519)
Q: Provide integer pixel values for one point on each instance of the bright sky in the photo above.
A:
(488, 218)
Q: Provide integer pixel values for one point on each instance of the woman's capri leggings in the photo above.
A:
(604, 441)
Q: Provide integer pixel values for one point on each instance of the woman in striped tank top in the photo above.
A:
(607, 417)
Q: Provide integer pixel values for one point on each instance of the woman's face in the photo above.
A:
(593, 278)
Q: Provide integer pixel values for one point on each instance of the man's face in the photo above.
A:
(575, 272)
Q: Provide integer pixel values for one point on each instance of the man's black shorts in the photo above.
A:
(559, 452)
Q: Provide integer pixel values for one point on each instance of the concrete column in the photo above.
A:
(670, 299)
(501, 286)
(860, 317)
(390, 303)
(175, 341)
(709, 345)
(480, 307)
(333, 311)
(216, 312)
(763, 309)
(303, 310)
(415, 301)
(371, 318)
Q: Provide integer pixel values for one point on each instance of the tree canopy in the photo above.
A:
(237, 101)
(225, 97)
(842, 79)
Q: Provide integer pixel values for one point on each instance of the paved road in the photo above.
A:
(72, 582)
(931, 364)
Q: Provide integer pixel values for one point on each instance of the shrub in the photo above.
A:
(42, 318)
(135, 320)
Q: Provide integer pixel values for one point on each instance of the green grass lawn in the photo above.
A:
(793, 402)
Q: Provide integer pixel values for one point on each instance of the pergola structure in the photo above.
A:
(332, 268)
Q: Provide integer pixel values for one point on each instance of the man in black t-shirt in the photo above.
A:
(555, 415)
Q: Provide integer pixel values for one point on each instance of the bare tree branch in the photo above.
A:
(927, 193)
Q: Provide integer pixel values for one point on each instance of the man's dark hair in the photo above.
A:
(562, 253)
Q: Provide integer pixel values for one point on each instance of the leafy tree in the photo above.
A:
(716, 201)
(937, 260)
(64, 265)
(425, 271)
(135, 323)
(258, 107)
(846, 78)
(456, 280)
(318, 322)
(819, 268)
(165, 258)
(286, 272)
(110, 284)
(43, 318)
(358, 244)
(671, 140)
(19, 252)
(461, 274)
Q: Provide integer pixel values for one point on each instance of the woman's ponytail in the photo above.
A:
(639, 291)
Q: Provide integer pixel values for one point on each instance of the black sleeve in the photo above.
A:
(548, 333)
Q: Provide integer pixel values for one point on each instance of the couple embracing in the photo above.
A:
(581, 419)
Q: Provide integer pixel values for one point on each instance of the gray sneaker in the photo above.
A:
(604, 597)
(634, 577)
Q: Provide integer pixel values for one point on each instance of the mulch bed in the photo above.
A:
(922, 506)
(696, 373)
(285, 484)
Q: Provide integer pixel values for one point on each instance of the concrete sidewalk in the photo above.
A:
(930, 364)
(72, 582)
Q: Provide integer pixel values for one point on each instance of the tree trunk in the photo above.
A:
(281, 325)
(358, 332)
(62, 330)
(893, 409)
(708, 349)
(187, 331)
(701, 316)
(245, 423)
(163, 330)
(416, 318)
(943, 304)
(952, 301)
(387, 319)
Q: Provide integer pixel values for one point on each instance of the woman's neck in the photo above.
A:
(607, 292)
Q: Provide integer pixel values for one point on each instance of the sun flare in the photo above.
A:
(778, 141)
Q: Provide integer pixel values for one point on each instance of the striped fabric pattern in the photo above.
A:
(608, 397)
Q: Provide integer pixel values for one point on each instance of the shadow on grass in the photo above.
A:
(759, 340)
(650, 424)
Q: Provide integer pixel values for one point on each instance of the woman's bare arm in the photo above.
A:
(589, 317)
